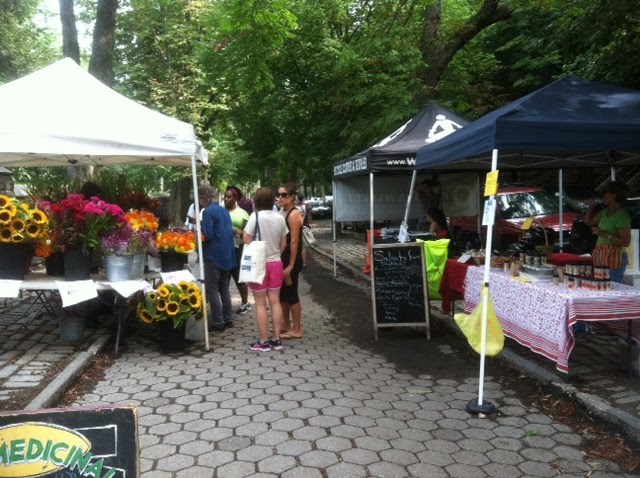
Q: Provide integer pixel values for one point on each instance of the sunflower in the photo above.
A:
(161, 305)
(33, 230)
(172, 308)
(183, 285)
(144, 315)
(17, 238)
(152, 296)
(39, 217)
(193, 288)
(18, 225)
(195, 301)
(5, 234)
(5, 216)
(163, 291)
(4, 200)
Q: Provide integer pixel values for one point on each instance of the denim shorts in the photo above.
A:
(272, 278)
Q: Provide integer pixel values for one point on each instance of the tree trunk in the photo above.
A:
(437, 52)
(179, 201)
(70, 46)
(101, 63)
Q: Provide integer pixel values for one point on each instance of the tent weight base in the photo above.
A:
(487, 408)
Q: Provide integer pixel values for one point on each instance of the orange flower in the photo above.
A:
(142, 220)
(182, 242)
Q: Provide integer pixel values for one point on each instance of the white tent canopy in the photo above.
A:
(61, 115)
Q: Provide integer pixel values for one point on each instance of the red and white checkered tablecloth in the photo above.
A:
(539, 315)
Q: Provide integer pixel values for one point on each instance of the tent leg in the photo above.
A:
(203, 292)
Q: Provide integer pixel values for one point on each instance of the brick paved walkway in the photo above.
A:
(325, 407)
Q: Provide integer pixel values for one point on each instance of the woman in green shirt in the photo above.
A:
(612, 225)
(239, 219)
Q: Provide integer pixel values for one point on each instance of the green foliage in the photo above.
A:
(24, 47)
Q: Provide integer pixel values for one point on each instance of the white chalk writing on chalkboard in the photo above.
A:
(399, 284)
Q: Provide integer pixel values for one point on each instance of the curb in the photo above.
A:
(594, 404)
(61, 382)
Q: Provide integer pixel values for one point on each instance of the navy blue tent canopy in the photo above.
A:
(569, 123)
(397, 152)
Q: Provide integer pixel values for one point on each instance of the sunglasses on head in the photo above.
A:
(283, 195)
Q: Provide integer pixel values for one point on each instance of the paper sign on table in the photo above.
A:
(489, 216)
(129, 287)
(9, 289)
(464, 258)
(75, 292)
(403, 235)
(177, 276)
(491, 185)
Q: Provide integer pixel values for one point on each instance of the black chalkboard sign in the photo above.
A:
(70, 443)
(399, 285)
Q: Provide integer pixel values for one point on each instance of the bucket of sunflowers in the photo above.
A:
(170, 306)
(21, 228)
(174, 247)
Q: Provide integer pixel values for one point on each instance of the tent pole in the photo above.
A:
(473, 406)
(333, 229)
(478, 208)
(413, 184)
(196, 199)
(561, 208)
(371, 236)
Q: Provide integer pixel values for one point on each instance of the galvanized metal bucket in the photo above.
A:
(118, 268)
(139, 262)
(71, 328)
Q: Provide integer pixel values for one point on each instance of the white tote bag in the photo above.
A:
(308, 235)
(253, 265)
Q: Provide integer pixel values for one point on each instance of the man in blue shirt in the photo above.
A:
(219, 258)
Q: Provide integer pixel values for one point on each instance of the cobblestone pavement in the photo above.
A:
(324, 408)
(31, 352)
(596, 366)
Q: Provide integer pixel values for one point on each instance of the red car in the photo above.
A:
(514, 206)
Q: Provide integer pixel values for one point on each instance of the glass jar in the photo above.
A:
(571, 283)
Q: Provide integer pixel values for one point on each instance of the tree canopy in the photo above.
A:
(280, 89)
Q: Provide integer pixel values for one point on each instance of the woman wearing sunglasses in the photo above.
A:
(292, 263)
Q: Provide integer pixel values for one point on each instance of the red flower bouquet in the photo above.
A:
(77, 221)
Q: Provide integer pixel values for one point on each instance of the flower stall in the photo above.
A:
(80, 121)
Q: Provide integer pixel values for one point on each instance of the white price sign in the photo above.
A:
(177, 276)
(78, 291)
(489, 216)
(9, 289)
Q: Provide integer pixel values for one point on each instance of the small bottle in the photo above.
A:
(556, 279)
(571, 283)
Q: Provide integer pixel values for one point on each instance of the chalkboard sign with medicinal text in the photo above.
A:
(399, 286)
(70, 443)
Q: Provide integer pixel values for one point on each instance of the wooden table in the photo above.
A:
(540, 315)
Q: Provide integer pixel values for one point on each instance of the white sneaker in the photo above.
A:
(244, 309)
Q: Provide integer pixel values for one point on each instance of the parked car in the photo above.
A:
(319, 209)
(514, 206)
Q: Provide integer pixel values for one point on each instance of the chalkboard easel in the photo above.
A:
(399, 286)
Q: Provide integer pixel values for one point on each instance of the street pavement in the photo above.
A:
(323, 407)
